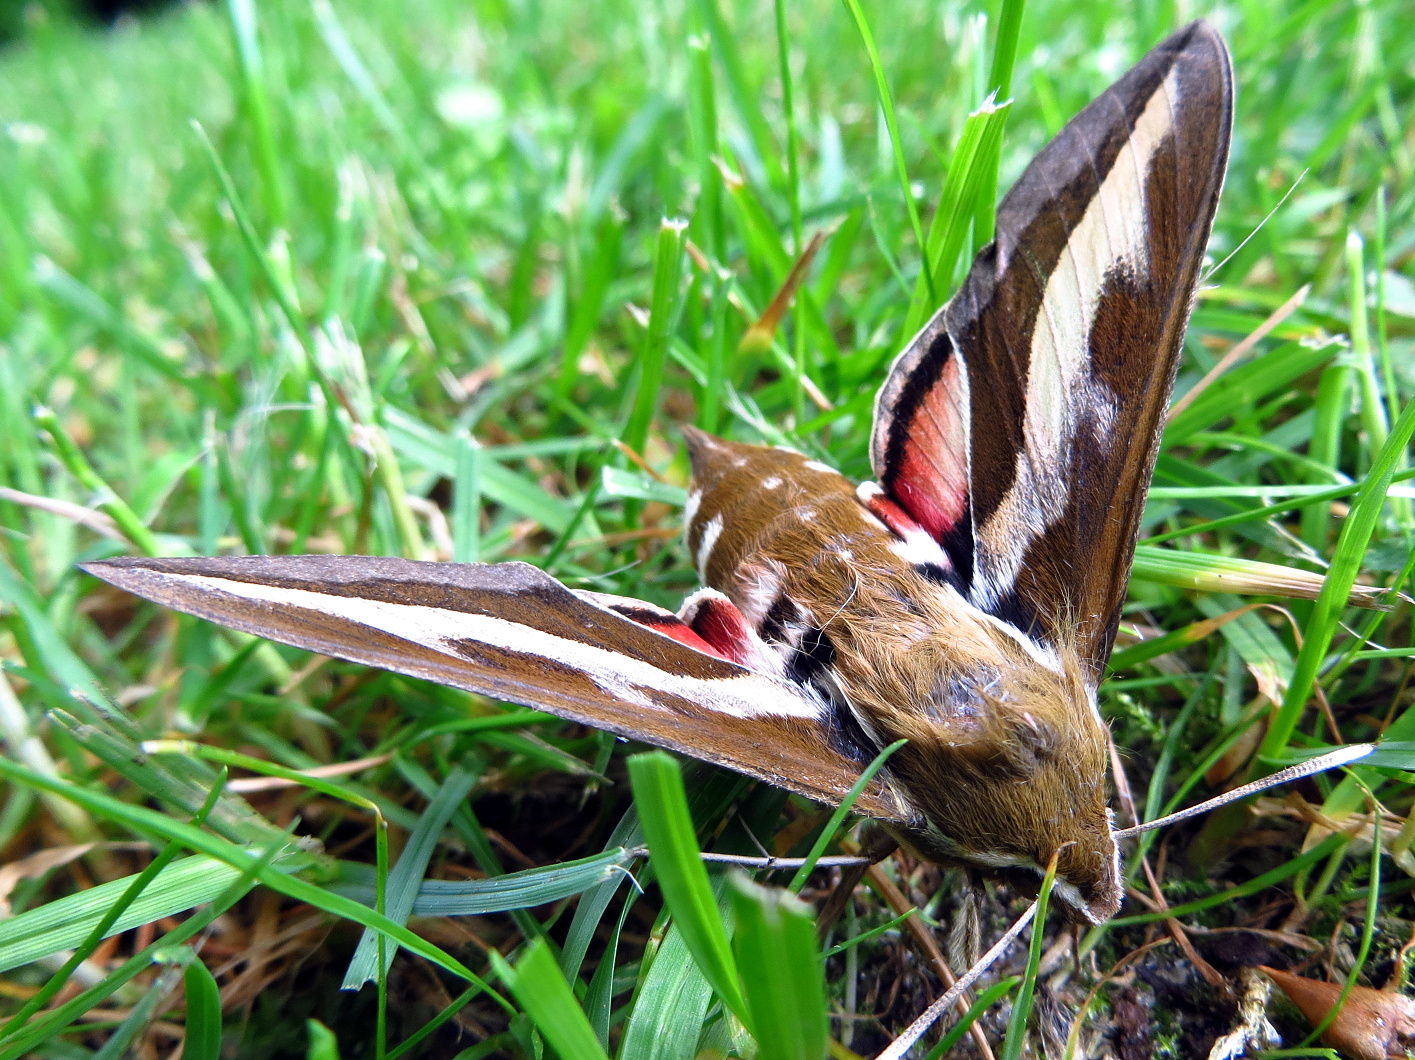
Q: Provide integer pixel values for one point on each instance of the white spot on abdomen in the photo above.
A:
(711, 532)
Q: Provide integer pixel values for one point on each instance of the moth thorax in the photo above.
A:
(961, 675)
(1008, 715)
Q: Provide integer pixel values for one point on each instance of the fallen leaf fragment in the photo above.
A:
(1372, 1024)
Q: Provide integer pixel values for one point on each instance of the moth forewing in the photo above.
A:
(511, 632)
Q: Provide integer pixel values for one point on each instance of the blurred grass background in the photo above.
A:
(392, 278)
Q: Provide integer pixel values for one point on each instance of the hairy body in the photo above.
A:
(1007, 755)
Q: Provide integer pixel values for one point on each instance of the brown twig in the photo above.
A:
(1181, 939)
(926, 944)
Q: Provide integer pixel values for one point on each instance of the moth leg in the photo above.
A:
(876, 844)
(1052, 1019)
(926, 947)
(965, 932)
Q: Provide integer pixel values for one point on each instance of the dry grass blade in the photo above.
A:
(760, 335)
(1240, 350)
(249, 785)
(98, 522)
(916, 1030)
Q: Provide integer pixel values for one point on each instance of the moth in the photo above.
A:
(965, 601)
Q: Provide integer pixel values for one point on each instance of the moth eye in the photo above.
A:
(1032, 740)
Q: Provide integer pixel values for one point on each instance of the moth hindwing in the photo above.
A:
(965, 603)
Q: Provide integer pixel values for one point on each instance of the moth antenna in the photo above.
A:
(1343, 756)
(1257, 228)
(901, 1045)
(747, 861)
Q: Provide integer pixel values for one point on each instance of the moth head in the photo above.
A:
(1007, 763)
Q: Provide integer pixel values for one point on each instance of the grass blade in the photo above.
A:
(1004, 56)
(251, 67)
(54, 1021)
(143, 819)
(514, 890)
(782, 974)
(203, 1023)
(886, 103)
(1016, 1038)
(671, 1004)
(106, 924)
(663, 313)
(837, 818)
(407, 875)
(1351, 545)
(138, 1018)
(322, 1043)
(972, 173)
(668, 827)
(537, 984)
(66, 922)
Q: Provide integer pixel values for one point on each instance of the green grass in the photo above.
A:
(387, 278)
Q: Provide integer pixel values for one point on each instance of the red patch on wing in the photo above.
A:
(899, 522)
(718, 622)
(658, 619)
(931, 478)
(671, 626)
